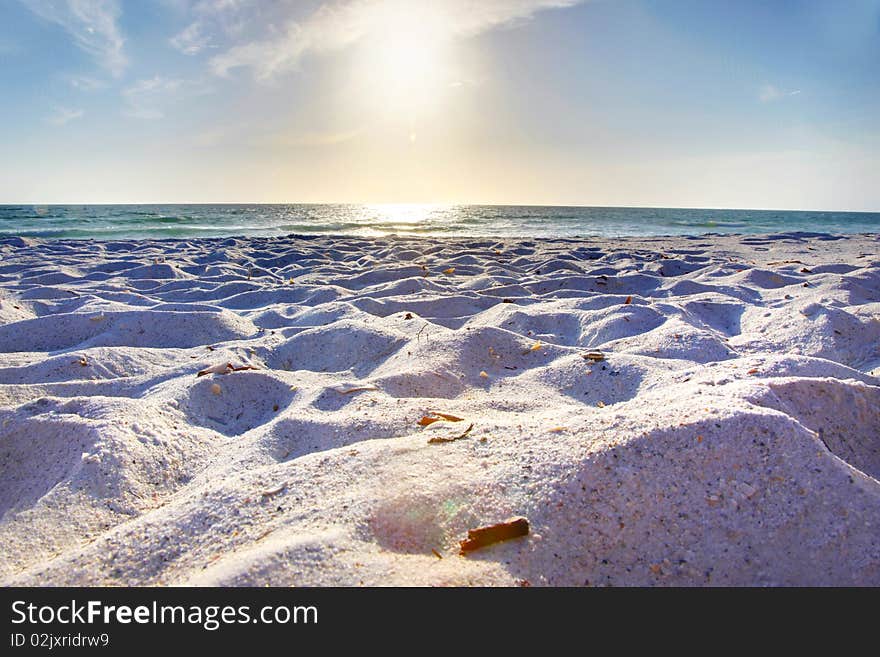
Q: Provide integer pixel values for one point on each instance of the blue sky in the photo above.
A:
(604, 102)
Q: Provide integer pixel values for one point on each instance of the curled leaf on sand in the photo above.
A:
(224, 368)
(449, 439)
(595, 356)
(449, 271)
(343, 390)
(503, 531)
(448, 417)
(628, 301)
(431, 418)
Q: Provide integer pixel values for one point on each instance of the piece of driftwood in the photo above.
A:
(503, 531)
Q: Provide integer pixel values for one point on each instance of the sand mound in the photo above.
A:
(844, 415)
(399, 392)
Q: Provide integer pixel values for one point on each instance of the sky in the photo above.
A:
(668, 103)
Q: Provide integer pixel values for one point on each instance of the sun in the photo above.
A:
(403, 62)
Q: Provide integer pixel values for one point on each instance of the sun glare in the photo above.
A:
(403, 62)
(397, 214)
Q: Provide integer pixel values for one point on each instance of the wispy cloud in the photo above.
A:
(86, 83)
(248, 134)
(314, 138)
(150, 98)
(770, 93)
(92, 24)
(192, 40)
(64, 115)
(211, 16)
(155, 97)
(337, 25)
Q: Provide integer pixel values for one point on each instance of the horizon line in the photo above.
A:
(445, 204)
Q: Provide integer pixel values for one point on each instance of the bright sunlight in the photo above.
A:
(404, 62)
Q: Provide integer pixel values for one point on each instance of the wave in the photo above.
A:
(169, 221)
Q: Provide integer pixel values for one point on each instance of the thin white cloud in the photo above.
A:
(150, 98)
(92, 24)
(155, 97)
(86, 83)
(253, 135)
(64, 115)
(192, 40)
(337, 25)
(770, 93)
(209, 17)
(314, 138)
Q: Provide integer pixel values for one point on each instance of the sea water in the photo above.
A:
(187, 221)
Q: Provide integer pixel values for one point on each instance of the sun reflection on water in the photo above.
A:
(385, 219)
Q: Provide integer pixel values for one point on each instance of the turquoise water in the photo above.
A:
(185, 221)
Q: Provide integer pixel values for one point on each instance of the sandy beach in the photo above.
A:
(663, 411)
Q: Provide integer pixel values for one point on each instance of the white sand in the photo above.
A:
(739, 441)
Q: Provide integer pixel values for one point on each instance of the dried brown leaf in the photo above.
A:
(450, 439)
(448, 417)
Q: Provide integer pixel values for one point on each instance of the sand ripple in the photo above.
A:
(729, 436)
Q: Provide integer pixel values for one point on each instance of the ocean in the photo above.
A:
(186, 221)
